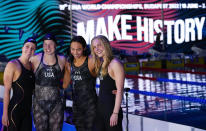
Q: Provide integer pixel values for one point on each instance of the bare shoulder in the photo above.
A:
(12, 65)
(116, 69)
(36, 57)
(115, 63)
(116, 66)
(61, 57)
(91, 59)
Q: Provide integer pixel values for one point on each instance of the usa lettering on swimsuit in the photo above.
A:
(77, 75)
(49, 73)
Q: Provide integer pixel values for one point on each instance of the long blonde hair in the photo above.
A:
(108, 55)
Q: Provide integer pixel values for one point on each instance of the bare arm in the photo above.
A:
(67, 78)
(119, 76)
(91, 66)
(9, 73)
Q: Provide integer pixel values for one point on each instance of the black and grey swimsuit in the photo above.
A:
(48, 107)
(84, 97)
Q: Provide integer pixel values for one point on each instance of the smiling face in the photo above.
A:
(76, 49)
(28, 49)
(98, 48)
(49, 47)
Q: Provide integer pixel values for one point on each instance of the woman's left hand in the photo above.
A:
(113, 119)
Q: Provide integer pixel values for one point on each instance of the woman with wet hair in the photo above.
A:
(19, 77)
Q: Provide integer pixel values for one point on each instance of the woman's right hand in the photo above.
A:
(5, 120)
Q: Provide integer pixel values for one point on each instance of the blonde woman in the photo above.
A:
(111, 74)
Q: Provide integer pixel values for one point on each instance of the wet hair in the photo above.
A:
(50, 36)
(31, 39)
(82, 41)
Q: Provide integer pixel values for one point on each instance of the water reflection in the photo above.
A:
(143, 104)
